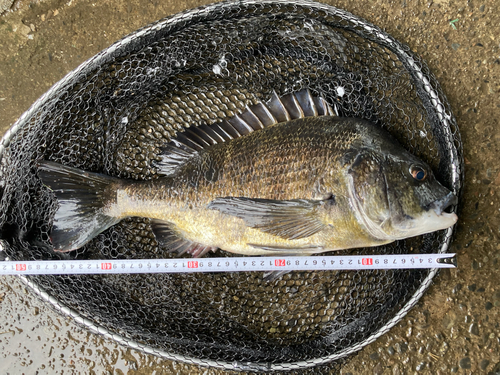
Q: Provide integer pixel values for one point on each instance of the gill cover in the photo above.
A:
(367, 187)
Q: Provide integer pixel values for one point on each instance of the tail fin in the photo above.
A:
(82, 198)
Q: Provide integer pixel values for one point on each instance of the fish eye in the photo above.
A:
(418, 173)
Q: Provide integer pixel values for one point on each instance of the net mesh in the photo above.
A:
(114, 113)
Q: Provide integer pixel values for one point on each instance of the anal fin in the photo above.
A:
(169, 238)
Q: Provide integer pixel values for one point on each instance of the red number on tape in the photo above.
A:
(20, 267)
(279, 262)
(367, 261)
(106, 266)
(193, 264)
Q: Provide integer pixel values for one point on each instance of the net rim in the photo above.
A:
(379, 36)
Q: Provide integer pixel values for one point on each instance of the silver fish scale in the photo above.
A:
(115, 112)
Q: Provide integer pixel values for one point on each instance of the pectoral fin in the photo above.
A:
(170, 239)
(288, 219)
(293, 251)
(273, 275)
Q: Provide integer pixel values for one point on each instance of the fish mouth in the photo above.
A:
(441, 204)
(433, 218)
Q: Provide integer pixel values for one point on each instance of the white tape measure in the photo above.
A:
(303, 263)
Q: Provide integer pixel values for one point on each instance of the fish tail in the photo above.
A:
(83, 199)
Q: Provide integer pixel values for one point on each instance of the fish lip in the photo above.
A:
(441, 204)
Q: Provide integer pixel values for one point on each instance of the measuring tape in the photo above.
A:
(303, 263)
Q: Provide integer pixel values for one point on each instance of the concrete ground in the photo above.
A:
(455, 328)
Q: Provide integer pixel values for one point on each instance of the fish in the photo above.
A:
(285, 177)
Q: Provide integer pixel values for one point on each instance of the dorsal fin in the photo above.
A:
(255, 117)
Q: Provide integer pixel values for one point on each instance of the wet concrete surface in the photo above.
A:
(455, 328)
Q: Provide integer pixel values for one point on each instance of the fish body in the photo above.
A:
(312, 183)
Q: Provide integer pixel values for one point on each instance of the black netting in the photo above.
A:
(114, 113)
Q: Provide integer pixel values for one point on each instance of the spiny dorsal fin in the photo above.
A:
(255, 117)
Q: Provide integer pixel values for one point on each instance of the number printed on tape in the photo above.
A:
(361, 262)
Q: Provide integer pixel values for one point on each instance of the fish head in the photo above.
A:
(397, 196)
